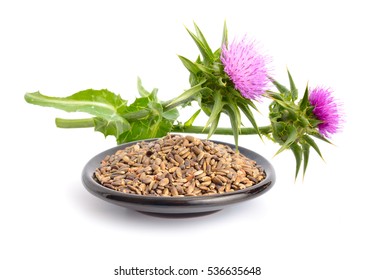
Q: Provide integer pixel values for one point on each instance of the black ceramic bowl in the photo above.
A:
(176, 206)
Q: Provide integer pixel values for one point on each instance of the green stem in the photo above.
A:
(136, 115)
(89, 122)
(81, 123)
(221, 130)
(76, 123)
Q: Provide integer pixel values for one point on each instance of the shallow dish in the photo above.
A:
(176, 206)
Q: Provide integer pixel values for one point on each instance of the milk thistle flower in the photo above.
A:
(327, 110)
(246, 67)
(295, 122)
(225, 81)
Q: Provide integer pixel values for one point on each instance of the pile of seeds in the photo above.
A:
(178, 166)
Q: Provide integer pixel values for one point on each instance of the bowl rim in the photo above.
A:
(89, 181)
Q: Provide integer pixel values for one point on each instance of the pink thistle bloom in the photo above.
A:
(246, 67)
(327, 110)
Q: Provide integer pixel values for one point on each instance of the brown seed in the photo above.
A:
(190, 194)
(190, 138)
(183, 151)
(202, 175)
(223, 179)
(207, 148)
(191, 188)
(179, 189)
(174, 191)
(205, 178)
(126, 159)
(164, 182)
(186, 155)
(142, 187)
(197, 173)
(221, 189)
(196, 150)
(173, 169)
(200, 156)
(145, 179)
(156, 168)
(118, 183)
(178, 172)
(206, 183)
(163, 166)
(166, 191)
(217, 181)
(173, 161)
(179, 159)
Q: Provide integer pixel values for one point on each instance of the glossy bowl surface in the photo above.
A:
(176, 206)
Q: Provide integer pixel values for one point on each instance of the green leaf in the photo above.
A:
(153, 127)
(306, 149)
(304, 102)
(298, 153)
(186, 96)
(248, 113)
(280, 131)
(115, 128)
(213, 126)
(192, 119)
(140, 104)
(314, 122)
(157, 123)
(238, 96)
(285, 104)
(217, 108)
(320, 137)
(217, 58)
(206, 70)
(100, 103)
(250, 103)
(282, 89)
(141, 89)
(193, 79)
(172, 114)
(203, 40)
(191, 66)
(234, 114)
(275, 95)
(313, 144)
(224, 35)
(107, 108)
(204, 50)
(304, 122)
(292, 137)
(294, 91)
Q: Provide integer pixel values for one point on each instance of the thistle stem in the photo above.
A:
(89, 122)
(221, 130)
(75, 123)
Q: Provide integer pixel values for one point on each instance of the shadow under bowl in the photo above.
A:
(176, 207)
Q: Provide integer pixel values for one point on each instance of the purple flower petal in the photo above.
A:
(327, 110)
(246, 67)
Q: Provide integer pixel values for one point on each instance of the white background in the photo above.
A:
(52, 228)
